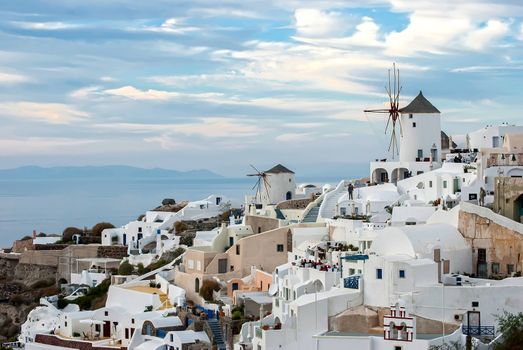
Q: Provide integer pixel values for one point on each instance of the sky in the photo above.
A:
(224, 84)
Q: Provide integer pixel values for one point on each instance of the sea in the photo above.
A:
(50, 205)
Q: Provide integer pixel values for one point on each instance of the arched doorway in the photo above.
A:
(288, 196)
(399, 174)
(380, 175)
(197, 285)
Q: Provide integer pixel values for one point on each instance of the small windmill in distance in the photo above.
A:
(262, 176)
(393, 91)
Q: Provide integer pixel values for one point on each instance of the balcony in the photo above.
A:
(478, 330)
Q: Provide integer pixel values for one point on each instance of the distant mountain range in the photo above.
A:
(110, 171)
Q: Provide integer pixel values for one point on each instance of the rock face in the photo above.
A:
(29, 274)
(7, 268)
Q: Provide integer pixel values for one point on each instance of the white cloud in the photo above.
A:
(9, 78)
(45, 25)
(293, 137)
(483, 37)
(42, 145)
(205, 127)
(134, 93)
(316, 23)
(171, 25)
(54, 113)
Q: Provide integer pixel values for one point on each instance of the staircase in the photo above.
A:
(217, 332)
(312, 215)
(327, 208)
(279, 214)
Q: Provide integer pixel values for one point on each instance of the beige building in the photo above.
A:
(263, 251)
(496, 241)
(508, 197)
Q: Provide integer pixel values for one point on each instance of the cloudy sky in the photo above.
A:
(222, 84)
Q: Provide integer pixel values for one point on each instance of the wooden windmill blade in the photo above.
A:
(393, 89)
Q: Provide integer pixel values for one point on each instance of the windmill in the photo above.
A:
(393, 91)
(262, 176)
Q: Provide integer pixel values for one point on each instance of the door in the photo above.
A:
(222, 265)
(124, 238)
(107, 329)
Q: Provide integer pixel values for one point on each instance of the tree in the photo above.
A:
(180, 226)
(69, 232)
(187, 239)
(207, 288)
(125, 269)
(511, 325)
(99, 227)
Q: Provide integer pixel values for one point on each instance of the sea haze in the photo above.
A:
(50, 199)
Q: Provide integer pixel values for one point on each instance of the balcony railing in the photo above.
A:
(478, 330)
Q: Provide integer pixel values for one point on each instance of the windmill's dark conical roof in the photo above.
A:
(419, 105)
(277, 169)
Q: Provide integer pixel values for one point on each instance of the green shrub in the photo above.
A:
(99, 227)
(180, 226)
(125, 269)
(187, 239)
(69, 232)
(207, 288)
(236, 315)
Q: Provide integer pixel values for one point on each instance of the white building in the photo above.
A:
(156, 228)
(420, 144)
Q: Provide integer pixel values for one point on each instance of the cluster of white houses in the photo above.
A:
(407, 260)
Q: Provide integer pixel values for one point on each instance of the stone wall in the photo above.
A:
(29, 274)
(113, 252)
(7, 268)
(294, 204)
(53, 340)
(501, 238)
(21, 246)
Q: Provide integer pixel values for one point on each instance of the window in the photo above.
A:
(106, 313)
(259, 229)
(482, 255)
(235, 286)
(397, 347)
(510, 269)
(420, 154)
(413, 125)
(379, 274)
(475, 304)
(410, 116)
(237, 249)
(139, 229)
(402, 273)
(279, 247)
(232, 268)
(495, 268)
(65, 324)
(190, 264)
(445, 184)
(132, 320)
(198, 265)
(430, 184)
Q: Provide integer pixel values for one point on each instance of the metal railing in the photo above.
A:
(478, 330)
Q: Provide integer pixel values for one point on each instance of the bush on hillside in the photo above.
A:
(187, 239)
(69, 232)
(207, 288)
(125, 269)
(99, 227)
(180, 226)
